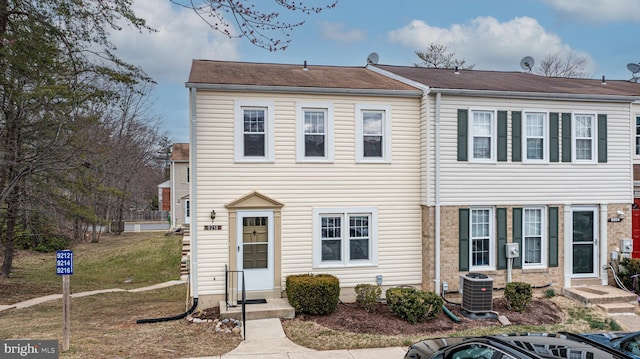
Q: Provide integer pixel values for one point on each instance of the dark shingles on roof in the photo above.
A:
(263, 74)
(511, 81)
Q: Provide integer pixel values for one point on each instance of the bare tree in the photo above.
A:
(569, 65)
(253, 23)
(437, 56)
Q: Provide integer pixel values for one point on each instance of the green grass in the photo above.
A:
(141, 258)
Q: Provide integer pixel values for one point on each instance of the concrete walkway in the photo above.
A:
(265, 338)
(47, 298)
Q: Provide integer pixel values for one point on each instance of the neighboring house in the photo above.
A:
(411, 175)
(309, 170)
(516, 157)
(179, 181)
(164, 196)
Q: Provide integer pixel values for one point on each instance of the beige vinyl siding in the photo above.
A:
(393, 188)
(467, 183)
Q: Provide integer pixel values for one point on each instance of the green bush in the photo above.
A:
(550, 293)
(367, 296)
(313, 293)
(518, 295)
(630, 267)
(42, 243)
(413, 305)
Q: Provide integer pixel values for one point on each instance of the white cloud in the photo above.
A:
(598, 10)
(486, 42)
(181, 36)
(337, 32)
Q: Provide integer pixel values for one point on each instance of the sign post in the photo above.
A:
(64, 267)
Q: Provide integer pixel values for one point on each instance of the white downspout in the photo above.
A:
(193, 192)
(603, 242)
(437, 194)
(172, 209)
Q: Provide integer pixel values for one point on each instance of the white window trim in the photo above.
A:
(269, 128)
(494, 136)
(300, 140)
(545, 239)
(594, 138)
(492, 240)
(344, 212)
(545, 139)
(386, 133)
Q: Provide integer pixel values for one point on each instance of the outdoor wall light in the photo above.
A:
(618, 218)
(213, 215)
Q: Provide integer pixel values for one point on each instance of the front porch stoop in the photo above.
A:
(610, 299)
(274, 308)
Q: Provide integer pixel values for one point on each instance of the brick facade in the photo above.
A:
(449, 243)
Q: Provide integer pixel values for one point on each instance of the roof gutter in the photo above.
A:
(536, 95)
(305, 90)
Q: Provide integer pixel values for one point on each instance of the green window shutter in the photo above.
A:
(517, 236)
(463, 228)
(566, 137)
(502, 237)
(554, 137)
(516, 136)
(602, 138)
(502, 136)
(463, 131)
(553, 236)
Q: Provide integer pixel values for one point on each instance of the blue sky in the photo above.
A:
(491, 34)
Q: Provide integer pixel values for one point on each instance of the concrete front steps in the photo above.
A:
(610, 299)
(274, 308)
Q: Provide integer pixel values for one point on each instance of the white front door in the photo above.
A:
(255, 249)
(585, 241)
(187, 211)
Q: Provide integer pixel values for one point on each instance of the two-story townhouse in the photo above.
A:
(179, 183)
(302, 169)
(515, 157)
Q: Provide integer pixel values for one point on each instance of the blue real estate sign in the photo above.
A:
(64, 262)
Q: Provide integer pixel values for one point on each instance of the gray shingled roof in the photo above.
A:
(262, 74)
(511, 81)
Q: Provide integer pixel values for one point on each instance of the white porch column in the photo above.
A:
(604, 277)
(567, 238)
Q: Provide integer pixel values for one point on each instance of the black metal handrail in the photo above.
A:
(230, 282)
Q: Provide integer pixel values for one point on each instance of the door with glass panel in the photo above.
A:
(585, 241)
(255, 253)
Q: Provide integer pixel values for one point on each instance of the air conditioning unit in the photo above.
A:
(477, 293)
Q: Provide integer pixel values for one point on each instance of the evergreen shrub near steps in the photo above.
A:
(313, 293)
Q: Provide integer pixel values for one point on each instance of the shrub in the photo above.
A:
(550, 293)
(313, 293)
(367, 296)
(413, 305)
(518, 295)
(628, 269)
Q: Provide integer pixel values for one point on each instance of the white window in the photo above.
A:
(535, 134)
(314, 132)
(345, 237)
(481, 239)
(373, 131)
(482, 129)
(637, 135)
(584, 137)
(533, 238)
(254, 131)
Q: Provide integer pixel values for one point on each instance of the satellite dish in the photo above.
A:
(527, 63)
(372, 59)
(633, 67)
